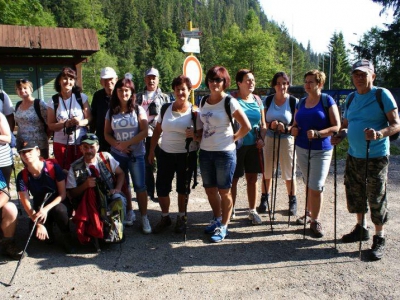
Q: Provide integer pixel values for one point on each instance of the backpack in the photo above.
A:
(292, 103)
(1, 96)
(36, 105)
(56, 102)
(49, 168)
(379, 100)
(325, 104)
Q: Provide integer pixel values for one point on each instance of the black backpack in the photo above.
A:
(292, 103)
(379, 100)
(56, 102)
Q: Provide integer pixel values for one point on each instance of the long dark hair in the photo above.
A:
(115, 105)
(66, 72)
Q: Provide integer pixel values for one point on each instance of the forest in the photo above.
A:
(135, 35)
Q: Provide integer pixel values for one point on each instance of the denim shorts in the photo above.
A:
(320, 162)
(135, 166)
(217, 168)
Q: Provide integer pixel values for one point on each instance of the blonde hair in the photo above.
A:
(23, 83)
(320, 76)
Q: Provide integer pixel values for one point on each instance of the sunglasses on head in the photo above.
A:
(19, 81)
(217, 80)
(91, 137)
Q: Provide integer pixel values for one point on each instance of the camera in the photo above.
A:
(153, 109)
(69, 130)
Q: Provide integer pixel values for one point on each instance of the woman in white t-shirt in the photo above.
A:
(70, 119)
(125, 130)
(217, 148)
(177, 154)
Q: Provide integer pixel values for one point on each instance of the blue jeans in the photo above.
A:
(134, 166)
(217, 168)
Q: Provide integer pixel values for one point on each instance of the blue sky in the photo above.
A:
(317, 20)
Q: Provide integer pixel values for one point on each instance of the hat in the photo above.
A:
(89, 138)
(107, 73)
(152, 71)
(26, 145)
(363, 65)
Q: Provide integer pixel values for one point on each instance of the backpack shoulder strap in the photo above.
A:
(25, 177)
(258, 99)
(1, 95)
(36, 106)
(17, 104)
(50, 168)
(164, 108)
(268, 101)
(351, 97)
(325, 103)
(228, 109)
(379, 99)
(292, 103)
(56, 102)
(194, 118)
(78, 98)
(106, 162)
(203, 100)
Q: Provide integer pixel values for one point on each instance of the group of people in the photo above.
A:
(231, 136)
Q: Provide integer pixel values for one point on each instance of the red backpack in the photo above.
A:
(49, 168)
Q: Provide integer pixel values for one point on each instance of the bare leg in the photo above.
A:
(226, 205)
(164, 204)
(181, 202)
(9, 219)
(251, 179)
(215, 201)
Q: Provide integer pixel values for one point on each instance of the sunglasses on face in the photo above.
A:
(216, 80)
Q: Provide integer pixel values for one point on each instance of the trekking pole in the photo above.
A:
(272, 175)
(291, 185)
(276, 173)
(366, 194)
(48, 195)
(307, 182)
(187, 182)
(261, 162)
(335, 188)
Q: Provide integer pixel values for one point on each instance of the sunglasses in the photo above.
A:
(216, 80)
(91, 137)
(21, 81)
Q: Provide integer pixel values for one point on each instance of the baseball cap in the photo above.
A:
(152, 71)
(26, 145)
(363, 65)
(107, 73)
(89, 138)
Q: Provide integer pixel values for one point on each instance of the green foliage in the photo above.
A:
(25, 13)
(340, 65)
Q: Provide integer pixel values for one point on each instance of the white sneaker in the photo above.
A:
(255, 218)
(146, 225)
(130, 218)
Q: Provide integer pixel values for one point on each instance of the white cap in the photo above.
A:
(107, 73)
(152, 71)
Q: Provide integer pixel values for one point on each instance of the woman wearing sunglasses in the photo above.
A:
(30, 125)
(217, 148)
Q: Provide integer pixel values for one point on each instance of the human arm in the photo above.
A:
(334, 120)
(77, 121)
(154, 141)
(341, 135)
(5, 133)
(120, 178)
(11, 121)
(244, 123)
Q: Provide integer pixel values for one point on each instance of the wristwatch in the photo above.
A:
(379, 135)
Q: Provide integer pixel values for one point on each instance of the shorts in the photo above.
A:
(354, 181)
(217, 168)
(170, 163)
(320, 162)
(285, 157)
(247, 160)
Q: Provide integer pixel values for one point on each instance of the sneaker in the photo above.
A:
(233, 215)
(292, 205)
(163, 224)
(220, 234)
(214, 224)
(316, 229)
(378, 247)
(146, 225)
(301, 220)
(262, 208)
(12, 250)
(355, 235)
(130, 218)
(180, 224)
(255, 218)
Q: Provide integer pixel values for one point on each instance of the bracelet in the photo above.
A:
(317, 133)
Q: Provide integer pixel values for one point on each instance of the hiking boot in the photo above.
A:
(292, 205)
(11, 249)
(356, 234)
(146, 228)
(316, 229)
(180, 224)
(220, 234)
(214, 224)
(255, 218)
(233, 215)
(306, 218)
(163, 224)
(262, 208)
(67, 243)
(378, 247)
(130, 218)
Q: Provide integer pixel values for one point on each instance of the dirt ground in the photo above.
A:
(252, 263)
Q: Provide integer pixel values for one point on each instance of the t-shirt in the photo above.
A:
(252, 111)
(217, 129)
(66, 110)
(174, 125)
(37, 184)
(313, 118)
(281, 113)
(364, 112)
(71, 180)
(5, 150)
(6, 107)
(125, 127)
(100, 105)
(30, 127)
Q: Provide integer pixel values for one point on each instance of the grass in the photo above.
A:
(344, 146)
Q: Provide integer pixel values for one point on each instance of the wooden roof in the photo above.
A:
(33, 40)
